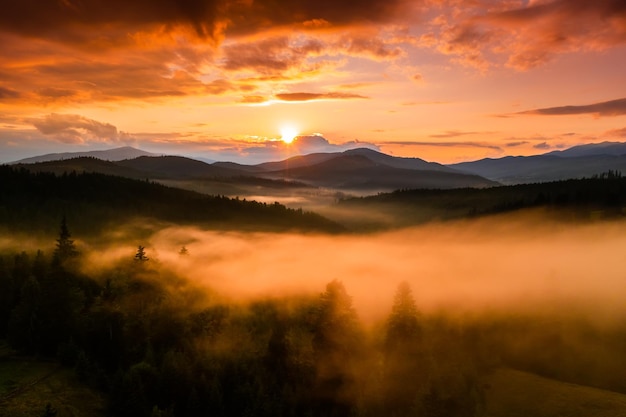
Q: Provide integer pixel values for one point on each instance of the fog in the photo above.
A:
(320, 324)
(505, 263)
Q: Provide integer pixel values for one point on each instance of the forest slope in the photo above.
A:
(513, 393)
(92, 202)
(583, 199)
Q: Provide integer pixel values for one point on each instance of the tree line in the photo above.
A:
(34, 201)
(158, 347)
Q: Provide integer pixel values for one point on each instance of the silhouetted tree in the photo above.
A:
(403, 328)
(65, 248)
(141, 254)
(405, 373)
(183, 251)
(337, 342)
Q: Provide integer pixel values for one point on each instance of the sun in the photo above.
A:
(288, 134)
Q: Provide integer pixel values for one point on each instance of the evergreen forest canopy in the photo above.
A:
(34, 202)
(157, 343)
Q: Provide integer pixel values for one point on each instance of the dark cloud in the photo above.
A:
(469, 144)
(8, 93)
(318, 96)
(73, 128)
(52, 92)
(517, 143)
(606, 108)
(452, 134)
(542, 146)
(208, 18)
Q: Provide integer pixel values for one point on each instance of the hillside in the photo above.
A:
(115, 154)
(358, 170)
(512, 393)
(361, 173)
(582, 199)
(36, 202)
(177, 167)
(543, 168)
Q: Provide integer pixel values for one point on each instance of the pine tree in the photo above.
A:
(405, 369)
(140, 256)
(403, 327)
(65, 248)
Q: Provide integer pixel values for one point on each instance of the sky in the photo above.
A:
(442, 80)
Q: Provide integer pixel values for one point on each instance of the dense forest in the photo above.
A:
(34, 202)
(599, 197)
(157, 345)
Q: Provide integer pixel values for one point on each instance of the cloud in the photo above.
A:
(542, 146)
(276, 150)
(73, 128)
(606, 108)
(6, 93)
(469, 144)
(253, 99)
(85, 51)
(480, 32)
(617, 133)
(516, 143)
(373, 47)
(453, 134)
(318, 96)
(210, 19)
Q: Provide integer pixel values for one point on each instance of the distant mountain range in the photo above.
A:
(362, 170)
(116, 154)
(576, 162)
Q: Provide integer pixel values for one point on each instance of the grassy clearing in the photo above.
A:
(28, 385)
(512, 393)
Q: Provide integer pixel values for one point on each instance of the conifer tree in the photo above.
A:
(403, 327)
(65, 248)
(140, 256)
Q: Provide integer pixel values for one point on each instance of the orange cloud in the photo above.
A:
(73, 128)
(478, 32)
(317, 96)
(606, 108)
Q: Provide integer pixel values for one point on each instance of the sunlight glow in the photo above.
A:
(288, 134)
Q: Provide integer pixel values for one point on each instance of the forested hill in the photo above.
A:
(601, 197)
(36, 201)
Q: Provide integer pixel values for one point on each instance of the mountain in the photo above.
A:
(399, 162)
(178, 167)
(298, 161)
(364, 170)
(358, 172)
(372, 155)
(116, 154)
(80, 165)
(592, 149)
(577, 162)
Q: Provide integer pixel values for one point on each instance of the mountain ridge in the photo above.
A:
(114, 154)
(576, 162)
